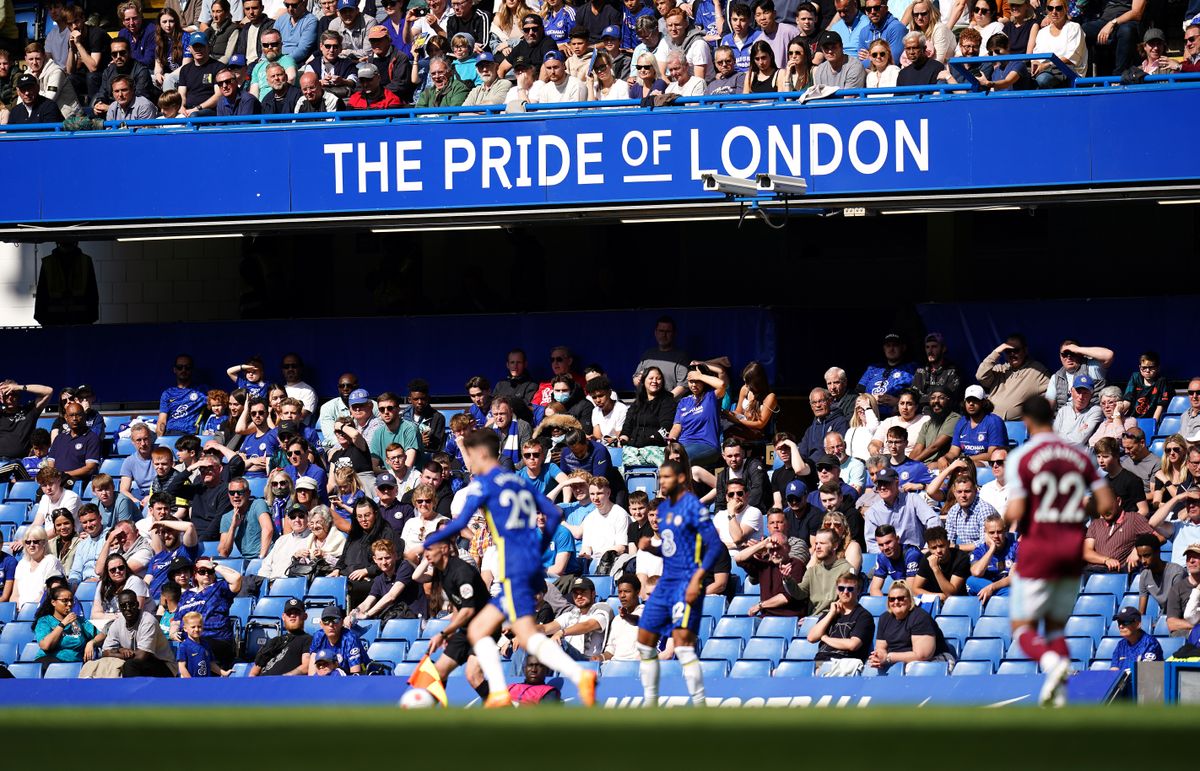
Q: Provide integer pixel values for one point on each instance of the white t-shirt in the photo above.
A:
(30, 582)
(647, 564)
(416, 530)
(68, 500)
(913, 428)
(610, 425)
(694, 87)
(546, 92)
(603, 533)
(995, 495)
(750, 519)
(592, 643)
(305, 393)
(622, 639)
(618, 91)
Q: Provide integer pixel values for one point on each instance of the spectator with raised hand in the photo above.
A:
(979, 434)
(18, 421)
(845, 631)
(247, 525)
(1011, 381)
(1115, 413)
(769, 561)
(697, 416)
(61, 634)
(863, 425)
(993, 560)
(907, 633)
(115, 575)
(215, 587)
(736, 521)
(171, 540)
(54, 496)
(791, 464)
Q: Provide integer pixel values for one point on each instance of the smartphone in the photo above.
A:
(420, 11)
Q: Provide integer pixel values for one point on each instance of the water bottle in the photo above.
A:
(75, 629)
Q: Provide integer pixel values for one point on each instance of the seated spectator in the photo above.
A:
(621, 644)
(946, 569)
(647, 565)
(979, 433)
(135, 643)
(125, 104)
(326, 543)
(393, 593)
(888, 380)
(907, 417)
(914, 475)
(1189, 421)
(604, 530)
(593, 457)
(195, 657)
(907, 633)
(1154, 48)
(826, 421)
(285, 548)
(992, 560)
(842, 399)
(556, 85)
(937, 371)
(346, 493)
(937, 434)
(1063, 38)
(965, 519)
(87, 546)
(426, 521)
(847, 547)
(348, 652)
(769, 561)
(737, 522)
(647, 421)
(1010, 383)
(288, 654)
(514, 432)
(281, 96)
(895, 561)
(697, 416)
(171, 540)
(314, 97)
(1010, 75)
(752, 472)
(838, 70)
(582, 629)
(336, 75)
(355, 562)
(116, 577)
(1157, 577)
(682, 82)
(61, 634)
(1147, 393)
(647, 81)
(819, 585)
(1135, 645)
(213, 593)
(845, 631)
(492, 89)
(1182, 607)
(31, 107)
(851, 470)
(36, 565)
(54, 497)
(907, 512)
(608, 416)
(1174, 476)
(1138, 458)
(728, 78)
(371, 95)
(922, 69)
(76, 451)
(803, 518)
(1128, 489)
(1115, 416)
(444, 88)
(1108, 546)
(137, 470)
(829, 473)
(533, 689)
(247, 526)
(1078, 419)
(639, 526)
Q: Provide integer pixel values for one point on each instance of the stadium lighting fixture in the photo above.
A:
(1179, 202)
(435, 228)
(181, 237)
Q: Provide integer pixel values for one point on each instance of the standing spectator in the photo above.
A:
(179, 407)
(76, 451)
(213, 593)
(1157, 577)
(62, 635)
(1135, 645)
(298, 30)
(907, 633)
(1147, 393)
(979, 434)
(136, 638)
(35, 567)
(1108, 547)
(1010, 383)
(769, 561)
(993, 560)
(884, 381)
(1078, 362)
(845, 631)
(1138, 458)
(288, 654)
(648, 420)
(292, 367)
(945, 571)
(907, 512)
(517, 384)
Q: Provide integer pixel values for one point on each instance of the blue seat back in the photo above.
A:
(1106, 583)
(962, 606)
(112, 467)
(619, 669)
(996, 606)
(777, 626)
(1017, 668)
(714, 605)
(1104, 605)
(1178, 405)
(927, 669)
(735, 626)
(967, 668)
(286, 587)
(713, 670)
(793, 669)
(982, 649)
(1086, 626)
(332, 588)
(63, 670)
(270, 608)
(1105, 648)
(727, 648)
(874, 605)
(25, 492)
(769, 648)
(994, 626)
(26, 671)
(955, 626)
(401, 629)
(750, 668)
(801, 650)
(391, 651)
(740, 605)
(1169, 425)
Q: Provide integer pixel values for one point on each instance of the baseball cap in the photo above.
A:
(293, 605)
(795, 489)
(891, 337)
(297, 507)
(1083, 382)
(936, 337)
(557, 55)
(975, 392)
(287, 428)
(886, 476)
(332, 612)
(27, 81)
(237, 60)
(612, 31)
(1193, 549)
(378, 32)
(326, 655)
(1154, 33)
(306, 483)
(385, 480)
(1127, 615)
(178, 564)
(367, 70)
(583, 583)
(344, 4)
(520, 62)
(828, 460)
(485, 57)
(531, 18)
(828, 37)
(360, 395)
(199, 39)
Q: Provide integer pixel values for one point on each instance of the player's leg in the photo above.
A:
(521, 608)
(479, 633)
(647, 645)
(689, 662)
(546, 650)
(1026, 607)
(1056, 662)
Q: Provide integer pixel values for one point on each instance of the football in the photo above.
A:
(417, 698)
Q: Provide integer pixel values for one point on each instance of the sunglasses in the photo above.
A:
(204, 571)
(531, 455)
(870, 8)
(345, 386)
(735, 494)
(644, 67)
(1191, 39)
(422, 501)
(1193, 393)
(33, 543)
(237, 492)
(897, 600)
(279, 484)
(920, 14)
(331, 47)
(995, 462)
(258, 413)
(64, 599)
(1174, 449)
(121, 53)
(982, 10)
(295, 453)
(847, 589)
(297, 515)
(114, 568)
(226, 82)
(558, 359)
(272, 45)
(383, 408)
(183, 366)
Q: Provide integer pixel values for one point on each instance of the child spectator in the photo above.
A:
(195, 657)
(39, 448)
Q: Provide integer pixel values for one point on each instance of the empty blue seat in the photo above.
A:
(1160, 627)
(994, 626)
(401, 629)
(1017, 433)
(1169, 425)
(30, 651)
(17, 634)
(793, 669)
(983, 649)
(868, 563)
(619, 669)
(769, 648)
(777, 626)
(647, 483)
(1106, 583)
(433, 626)
(241, 669)
(806, 624)
(1015, 652)
(8, 653)
(63, 670)
(736, 626)
(670, 668)
(1178, 405)
(983, 475)
(26, 671)
(8, 611)
(706, 628)
(962, 606)
(966, 668)
(714, 669)
(874, 605)
(1017, 668)
(368, 629)
(727, 648)
(1149, 428)
(1170, 645)
(801, 650)
(1105, 648)
(604, 586)
(996, 606)
(286, 587)
(13, 513)
(1086, 626)
(1157, 445)
(1152, 609)
(955, 626)
(124, 447)
(25, 492)
(1080, 648)
(329, 588)
(270, 608)
(740, 605)
(1101, 664)
(391, 651)
(416, 651)
(926, 669)
(750, 668)
(112, 467)
(404, 669)
(258, 486)
(1104, 605)
(169, 442)
(714, 605)
(113, 424)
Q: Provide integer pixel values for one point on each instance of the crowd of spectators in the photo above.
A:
(225, 58)
(905, 464)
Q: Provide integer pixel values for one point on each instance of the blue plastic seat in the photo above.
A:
(1157, 445)
(727, 648)
(1106, 583)
(604, 586)
(983, 649)
(769, 648)
(8, 612)
(63, 670)
(747, 668)
(1170, 645)
(1160, 627)
(13, 513)
(416, 651)
(967, 668)
(390, 651)
(868, 563)
(331, 588)
(1178, 405)
(286, 587)
(8, 653)
(801, 650)
(1017, 668)
(1086, 626)
(270, 608)
(258, 486)
(241, 669)
(714, 605)
(962, 606)
(1149, 428)
(740, 605)
(619, 669)
(166, 441)
(714, 670)
(26, 671)
(1017, 433)
(955, 626)
(1105, 648)
(983, 475)
(1169, 425)
(994, 626)
(404, 669)
(926, 669)
(1015, 652)
(1152, 609)
(806, 624)
(706, 628)
(736, 626)
(1080, 648)
(17, 634)
(433, 626)
(647, 483)
(793, 669)
(874, 605)
(408, 629)
(30, 651)
(86, 591)
(112, 467)
(1104, 605)
(124, 448)
(25, 492)
(113, 424)
(996, 606)
(670, 668)
(783, 627)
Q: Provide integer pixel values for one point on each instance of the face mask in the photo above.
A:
(561, 397)
(556, 440)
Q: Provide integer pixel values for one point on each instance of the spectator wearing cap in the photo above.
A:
(583, 628)
(558, 85)
(610, 43)
(804, 520)
(336, 75)
(979, 433)
(272, 54)
(339, 406)
(907, 512)
(197, 81)
(492, 89)
(337, 645)
(352, 25)
(298, 30)
(937, 371)
(840, 71)
(1077, 361)
(937, 434)
(466, 18)
(325, 665)
(1135, 645)
(652, 41)
(371, 95)
(829, 472)
(1079, 418)
(394, 64)
(288, 653)
(1011, 381)
(444, 89)
(532, 48)
(387, 495)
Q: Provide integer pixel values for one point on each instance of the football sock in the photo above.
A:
(483, 690)
(1058, 644)
(692, 674)
(1032, 643)
(648, 670)
(488, 656)
(549, 653)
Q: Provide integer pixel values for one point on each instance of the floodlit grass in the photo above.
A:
(1019, 739)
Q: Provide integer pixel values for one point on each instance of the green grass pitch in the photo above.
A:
(1017, 739)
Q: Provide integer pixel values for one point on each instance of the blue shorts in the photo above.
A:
(517, 597)
(666, 610)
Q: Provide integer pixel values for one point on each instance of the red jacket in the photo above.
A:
(388, 101)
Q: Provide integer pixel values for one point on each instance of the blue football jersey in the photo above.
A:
(689, 539)
(510, 506)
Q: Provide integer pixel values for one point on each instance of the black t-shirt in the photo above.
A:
(411, 595)
(638, 530)
(857, 623)
(533, 53)
(199, 79)
(282, 654)
(1128, 488)
(924, 75)
(899, 634)
(782, 477)
(806, 524)
(463, 585)
(15, 430)
(960, 565)
(360, 460)
(724, 564)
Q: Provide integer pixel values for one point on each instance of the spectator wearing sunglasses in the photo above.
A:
(1189, 421)
(296, 536)
(36, 565)
(180, 406)
(845, 632)
(247, 524)
(211, 595)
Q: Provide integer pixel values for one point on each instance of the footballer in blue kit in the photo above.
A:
(510, 506)
(689, 546)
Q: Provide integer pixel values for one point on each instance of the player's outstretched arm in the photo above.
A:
(459, 523)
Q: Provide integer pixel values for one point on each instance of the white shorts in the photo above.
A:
(1034, 599)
